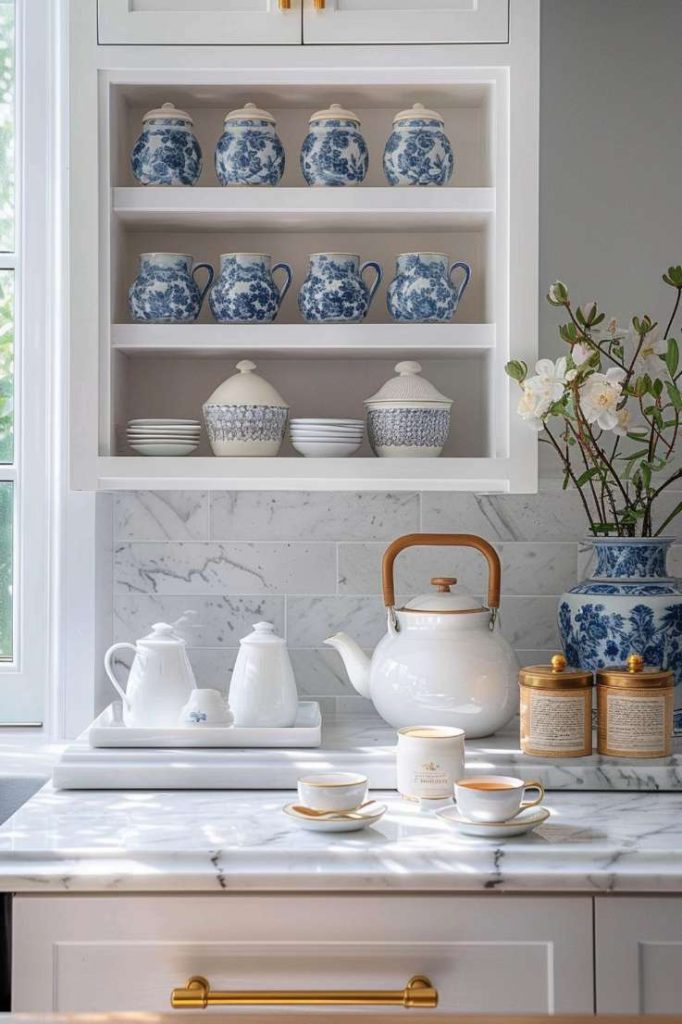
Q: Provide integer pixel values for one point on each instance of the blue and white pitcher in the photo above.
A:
(245, 292)
(166, 152)
(164, 291)
(423, 291)
(249, 151)
(334, 291)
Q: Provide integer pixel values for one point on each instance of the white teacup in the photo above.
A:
(333, 791)
(494, 797)
(206, 707)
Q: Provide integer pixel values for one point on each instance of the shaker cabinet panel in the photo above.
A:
(405, 21)
(209, 23)
(639, 954)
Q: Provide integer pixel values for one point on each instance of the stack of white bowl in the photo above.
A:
(163, 436)
(326, 438)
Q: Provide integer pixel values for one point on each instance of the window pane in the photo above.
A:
(6, 496)
(6, 125)
(6, 364)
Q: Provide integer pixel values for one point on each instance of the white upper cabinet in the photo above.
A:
(405, 21)
(208, 23)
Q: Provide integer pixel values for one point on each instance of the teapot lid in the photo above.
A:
(263, 634)
(249, 112)
(443, 600)
(162, 633)
(246, 388)
(167, 112)
(408, 386)
(418, 110)
(334, 112)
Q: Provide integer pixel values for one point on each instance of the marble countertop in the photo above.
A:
(241, 841)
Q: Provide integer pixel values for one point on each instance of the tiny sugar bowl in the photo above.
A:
(206, 707)
(166, 152)
(334, 153)
(408, 416)
(418, 152)
(249, 151)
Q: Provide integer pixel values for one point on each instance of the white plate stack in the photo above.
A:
(326, 438)
(163, 436)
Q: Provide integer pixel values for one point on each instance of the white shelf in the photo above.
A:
(305, 209)
(314, 340)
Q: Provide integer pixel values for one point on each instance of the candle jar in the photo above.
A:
(635, 710)
(556, 710)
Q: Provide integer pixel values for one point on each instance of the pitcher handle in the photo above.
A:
(109, 668)
(376, 267)
(460, 265)
(209, 279)
(452, 540)
(288, 279)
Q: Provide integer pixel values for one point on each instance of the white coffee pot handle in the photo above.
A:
(109, 668)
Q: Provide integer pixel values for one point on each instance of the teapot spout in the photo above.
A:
(354, 658)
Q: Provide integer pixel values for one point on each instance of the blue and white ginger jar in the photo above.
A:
(423, 291)
(334, 291)
(164, 291)
(628, 605)
(245, 415)
(418, 152)
(167, 152)
(334, 151)
(408, 417)
(245, 292)
(249, 151)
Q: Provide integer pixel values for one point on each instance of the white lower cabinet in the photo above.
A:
(493, 953)
(638, 943)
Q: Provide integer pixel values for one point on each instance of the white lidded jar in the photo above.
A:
(408, 416)
(263, 688)
(245, 415)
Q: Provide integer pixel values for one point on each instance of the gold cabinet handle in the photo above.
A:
(418, 994)
(285, 5)
(319, 5)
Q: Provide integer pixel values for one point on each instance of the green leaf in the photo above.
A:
(672, 357)
(674, 395)
(516, 369)
(587, 475)
(634, 455)
(658, 387)
(641, 436)
(674, 277)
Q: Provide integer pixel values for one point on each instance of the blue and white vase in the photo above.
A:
(166, 152)
(629, 605)
(334, 151)
(245, 292)
(249, 151)
(164, 291)
(423, 291)
(334, 291)
(418, 152)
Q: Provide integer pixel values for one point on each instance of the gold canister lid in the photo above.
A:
(555, 676)
(634, 675)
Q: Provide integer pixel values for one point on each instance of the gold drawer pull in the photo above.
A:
(418, 994)
(285, 5)
(319, 5)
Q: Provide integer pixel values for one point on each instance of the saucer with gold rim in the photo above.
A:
(339, 822)
(523, 822)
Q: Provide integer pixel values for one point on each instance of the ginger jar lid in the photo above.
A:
(249, 112)
(442, 601)
(409, 386)
(246, 388)
(333, 113)
(555, 676)
(417, 112)
(167, 112)
(263, 635)
(634, 675)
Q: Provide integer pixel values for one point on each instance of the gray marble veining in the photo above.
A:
(211, 621)
(161, 515)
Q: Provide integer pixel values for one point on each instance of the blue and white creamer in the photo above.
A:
(245, 292)
(334, 291)
(423, 291)
(164, 291)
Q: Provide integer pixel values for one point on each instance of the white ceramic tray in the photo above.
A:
(109, 730)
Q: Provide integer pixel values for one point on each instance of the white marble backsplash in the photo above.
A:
(309, 562)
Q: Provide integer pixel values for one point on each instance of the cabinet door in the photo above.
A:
(199, 22)
(488, 954)
(638, 942)
(405, 21)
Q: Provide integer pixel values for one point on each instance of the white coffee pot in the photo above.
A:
(263, 688)
(160, 680)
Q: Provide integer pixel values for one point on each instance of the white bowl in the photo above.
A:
(170, 429)
(186, 438)
(163, 448)
(325, 449)
(163, 423)
(343, 438)
(333, 791)
(327, 422)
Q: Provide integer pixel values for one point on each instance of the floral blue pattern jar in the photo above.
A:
(245, 292)
(408, 417)
(166, 153)
(418, 152)
(334, 291)
(164, 291)
(423, 291)
(334, 151)
(249, 151)
(628, 604)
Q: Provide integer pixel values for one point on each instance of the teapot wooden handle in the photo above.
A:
(450, 540)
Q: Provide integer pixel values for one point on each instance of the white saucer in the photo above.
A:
(526, 821)
(368, 816)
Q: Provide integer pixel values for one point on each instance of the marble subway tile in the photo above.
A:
(536, 657)
(310, 620)
(538, 568)
(320, 673)
(551, 515)
(161, 515)
(530, 623)
(360, 569)
(212, 668)
(192, 568)
(216, 621)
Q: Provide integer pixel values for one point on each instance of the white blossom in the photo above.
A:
(550, 377)
(532, 407)
(599, 397)
(581, 353)
(624, 422)
(648, 361)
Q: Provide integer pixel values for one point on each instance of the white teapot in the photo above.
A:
(160, 680)
(263, 688)
(443, 660)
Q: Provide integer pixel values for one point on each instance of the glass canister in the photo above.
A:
(249, 151)
(334, 152)
(635, 710)
(556, 710)
(166, 152)
(418, 152)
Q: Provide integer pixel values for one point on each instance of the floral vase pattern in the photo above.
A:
(423, 290)
(629, 605)
(334, 152)
(166, 152)
(245, 292)
(418, 152)
(164, 291)
(249, 152)
(334, 291)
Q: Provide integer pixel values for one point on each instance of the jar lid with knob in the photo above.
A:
(335, 112)
(168, 112)
(555, 676)
(634, 675)
(418, 112)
